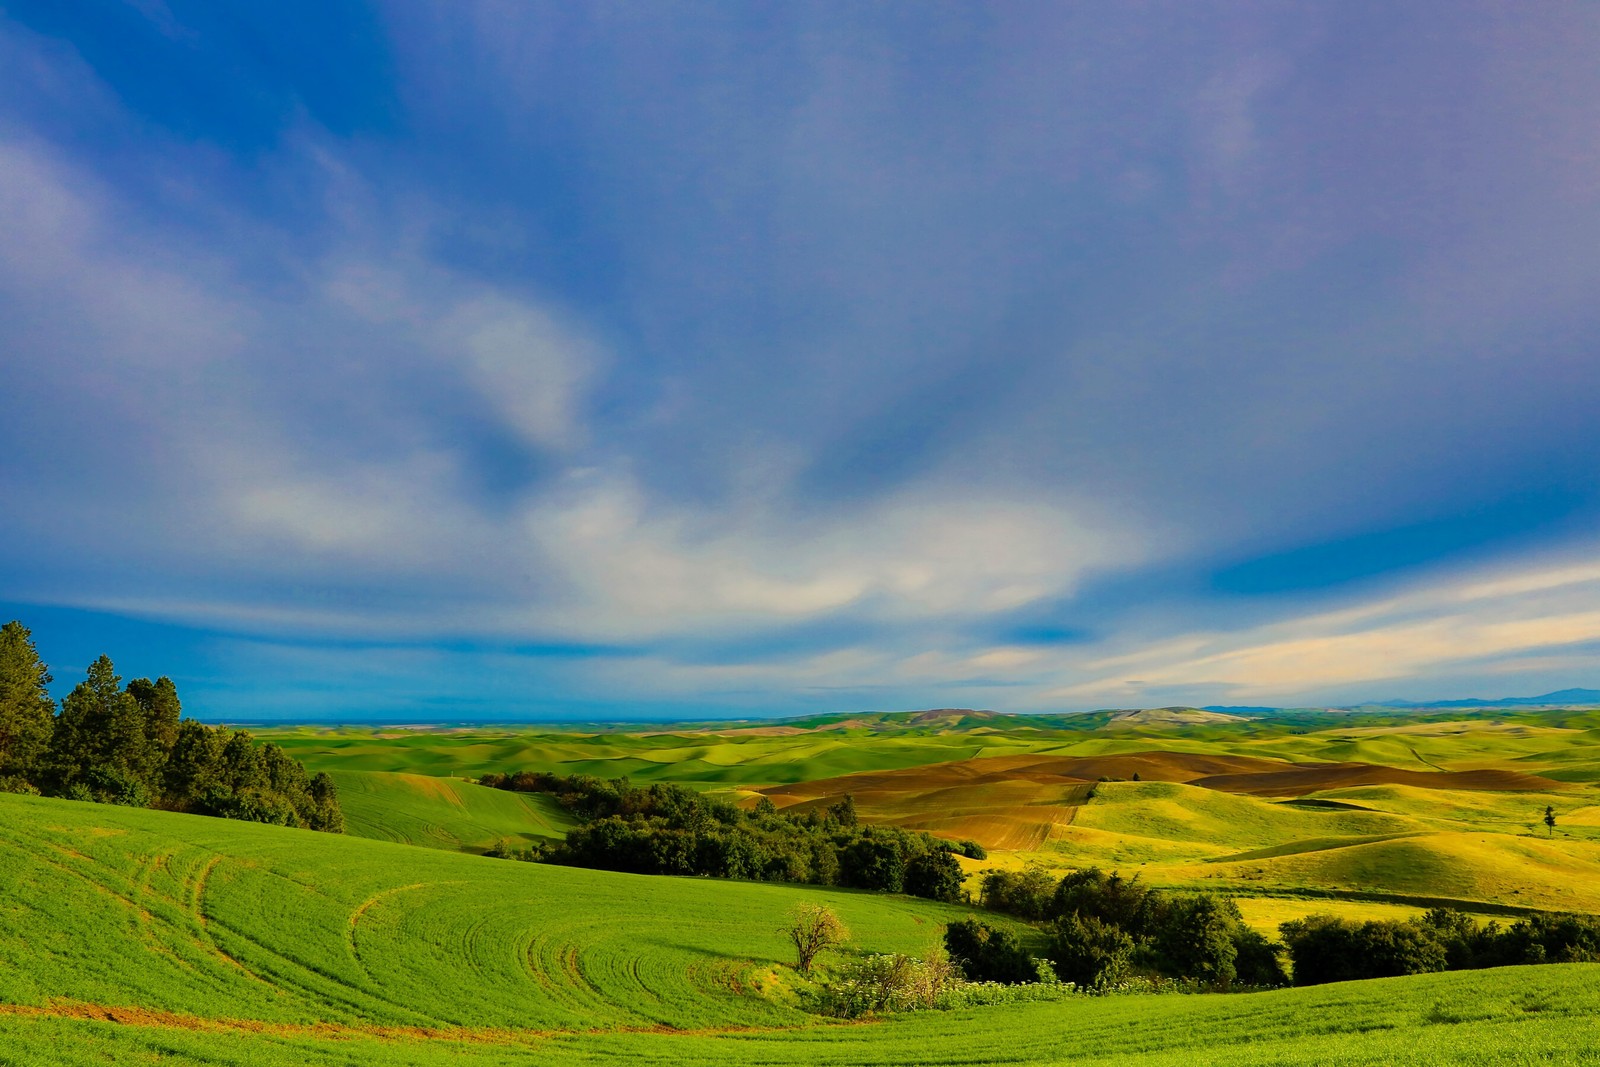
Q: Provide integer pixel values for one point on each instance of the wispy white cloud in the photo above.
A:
(1508, 620)
(932, 552)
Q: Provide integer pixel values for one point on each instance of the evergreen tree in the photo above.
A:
(283, 774)
(27, 712)
(158, 703)
(241, 769)
(132, 746)
(99, 742)
(195, 766)
(325, 813)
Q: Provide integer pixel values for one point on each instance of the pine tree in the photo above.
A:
(325, 812)
(27, 713)
(242, 769)
(159, 704)
(195, 766)
(99, 744)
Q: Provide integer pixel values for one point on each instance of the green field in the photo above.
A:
(1564, 745)
(139, 936)
(1406, 842)
(418, 809)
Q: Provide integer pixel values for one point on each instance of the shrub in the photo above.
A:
(1110, 898)
(935, 875)
(1558, 938)
(985, 954)
(1027, 894)
(896, 982)
(1327, 949)
(1258, 961)
(1089, 953)
(1195, 936)
(971, 849)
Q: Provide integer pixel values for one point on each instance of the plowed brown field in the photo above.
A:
(1015, 802)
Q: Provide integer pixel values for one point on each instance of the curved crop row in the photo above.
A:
(117, 906)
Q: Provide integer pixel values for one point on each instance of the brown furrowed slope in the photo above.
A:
(1019, 801)
(1041, 770)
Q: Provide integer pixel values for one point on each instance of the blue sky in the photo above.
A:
(498, 360)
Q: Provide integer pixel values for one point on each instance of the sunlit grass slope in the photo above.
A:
(1213, 823)
(752, 756)
(1473, 848)
(131, 936)
(204, 917)
(417, 809)
(1496, 869)
(1517, 1017)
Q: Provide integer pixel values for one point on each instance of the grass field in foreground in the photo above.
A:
(208, 918)
(1518, 1017)
(131, 936)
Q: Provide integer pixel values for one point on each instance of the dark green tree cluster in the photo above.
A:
(1328, 949)
(986, 954)
(131, 745)
(668, 829)
(1101, 928)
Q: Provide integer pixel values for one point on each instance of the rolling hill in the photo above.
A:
(135, 936)
(418, 809)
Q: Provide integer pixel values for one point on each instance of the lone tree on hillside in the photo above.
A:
(812, 928)
(1550, 821)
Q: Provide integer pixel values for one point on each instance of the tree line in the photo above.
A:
(1101, 928)
(129, 744)
(1327, 949)
(670, 829)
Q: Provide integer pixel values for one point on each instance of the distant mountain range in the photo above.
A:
(1560, 696)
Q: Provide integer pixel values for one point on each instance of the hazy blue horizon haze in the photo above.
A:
(482, 360)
